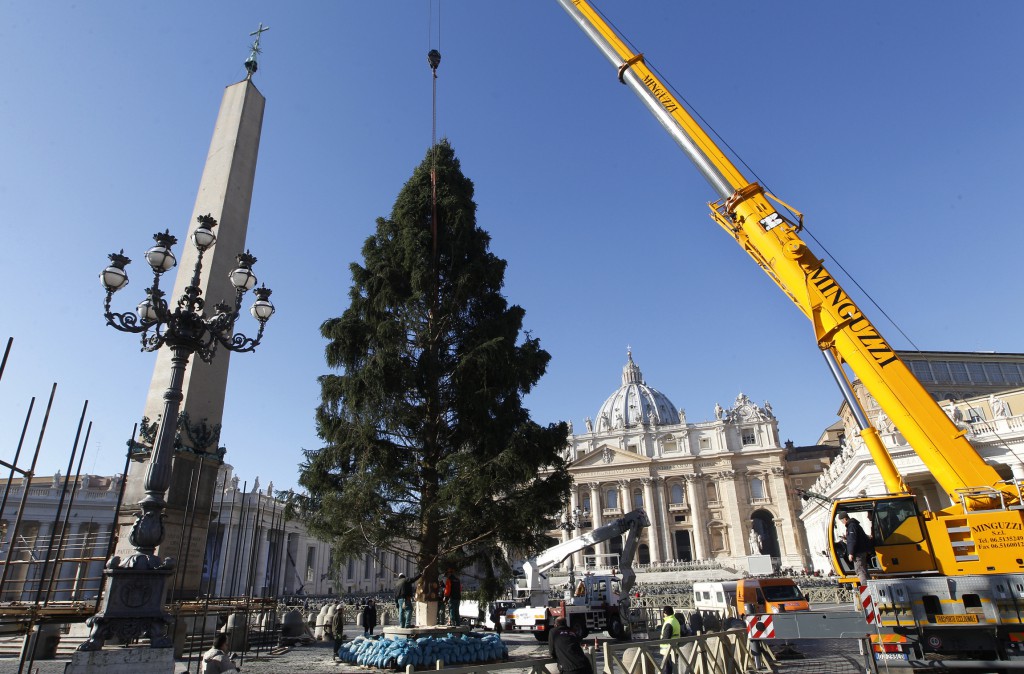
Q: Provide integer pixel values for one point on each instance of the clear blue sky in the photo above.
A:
(895, 127)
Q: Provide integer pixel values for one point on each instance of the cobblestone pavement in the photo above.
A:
(318, 657)
(819, 657)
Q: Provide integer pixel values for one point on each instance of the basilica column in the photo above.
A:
(71, 574)
(696, 517)
(788, 533)
(224, 558)
(668, 523)
(738, 528)
(595, 513)
(624, 503)
(33, 573)
(574, 503)
(652, 514)
(625, 498)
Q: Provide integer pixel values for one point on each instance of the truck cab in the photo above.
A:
(595, 590)
(749, 596)
(769, 595)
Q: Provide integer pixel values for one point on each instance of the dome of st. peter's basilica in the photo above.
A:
(635, 403)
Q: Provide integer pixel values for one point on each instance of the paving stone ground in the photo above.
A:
(821, 657)
(315, 658)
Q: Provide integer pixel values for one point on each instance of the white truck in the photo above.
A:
(478, 614)
(597, 602)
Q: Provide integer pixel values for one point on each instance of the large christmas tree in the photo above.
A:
(427, 448)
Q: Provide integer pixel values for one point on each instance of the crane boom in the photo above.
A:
(745, 211)
(633, 522)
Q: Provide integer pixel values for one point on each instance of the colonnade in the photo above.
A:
(654, 499)
(715, 520)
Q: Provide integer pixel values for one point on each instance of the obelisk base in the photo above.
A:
(122, 661)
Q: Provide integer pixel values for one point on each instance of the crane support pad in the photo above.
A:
(814, 625)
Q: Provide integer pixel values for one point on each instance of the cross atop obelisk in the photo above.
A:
(251, 64)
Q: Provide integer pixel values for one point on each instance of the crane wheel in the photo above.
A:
(616, 630)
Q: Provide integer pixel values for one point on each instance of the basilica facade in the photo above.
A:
(713, 490)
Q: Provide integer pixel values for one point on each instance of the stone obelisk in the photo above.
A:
(225, 192)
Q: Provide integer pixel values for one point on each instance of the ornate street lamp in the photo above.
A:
(570, 523)
(133, 599)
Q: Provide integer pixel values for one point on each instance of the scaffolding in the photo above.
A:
(52, 580)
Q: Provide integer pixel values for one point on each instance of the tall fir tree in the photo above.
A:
(427, 446)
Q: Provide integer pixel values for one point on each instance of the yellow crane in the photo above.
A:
(979, 538)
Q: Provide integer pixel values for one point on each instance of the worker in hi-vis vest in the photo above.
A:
(671, 629)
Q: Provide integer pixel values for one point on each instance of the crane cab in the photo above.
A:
(895, 529)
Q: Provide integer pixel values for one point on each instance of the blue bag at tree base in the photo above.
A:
(423, 652)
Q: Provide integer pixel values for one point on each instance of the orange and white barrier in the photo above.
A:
(760, 626)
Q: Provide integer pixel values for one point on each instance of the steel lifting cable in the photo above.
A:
(434, 60)
(764, 184)
(824, 249)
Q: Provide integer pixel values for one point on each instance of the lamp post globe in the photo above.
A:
(114, 277)
(571, 521)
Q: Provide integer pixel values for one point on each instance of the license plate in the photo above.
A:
(956, 619)
(890, 656)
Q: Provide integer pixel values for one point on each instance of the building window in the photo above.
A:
(638, 499)
(977, 373)
(612, 499)
(940, 370)
(704, 443)
(586, 504)
(711, 490)
(749, 437)
(676, 494)
(757, 488)
(921, 370)
(367, 565)
(995, 376)
(351, 570)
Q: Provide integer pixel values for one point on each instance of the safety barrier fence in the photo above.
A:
(718, 653)
(828, 594)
